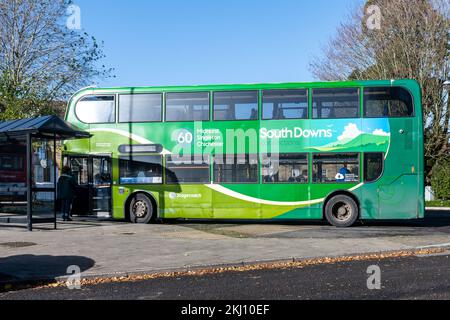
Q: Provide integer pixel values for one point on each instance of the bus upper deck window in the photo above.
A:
(140, 107)
(335, 103)
(188, 106)
(383, 102)
(96, 109)
(238, 105)
(285, 104)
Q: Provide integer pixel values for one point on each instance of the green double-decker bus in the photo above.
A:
(340, 151)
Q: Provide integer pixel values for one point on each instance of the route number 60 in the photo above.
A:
(185, 137)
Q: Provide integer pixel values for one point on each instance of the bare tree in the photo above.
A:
(41, 59)
(412, 42)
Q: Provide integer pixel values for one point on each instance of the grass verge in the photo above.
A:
(438, 204)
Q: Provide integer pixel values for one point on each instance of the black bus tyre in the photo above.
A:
(141, 209)
(341, 211)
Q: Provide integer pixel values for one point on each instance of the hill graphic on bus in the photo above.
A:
(364, 141)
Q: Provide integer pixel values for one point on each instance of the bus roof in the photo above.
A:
(250, 86)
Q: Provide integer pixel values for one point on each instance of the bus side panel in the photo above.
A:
(188, 201)
(369, 203)
(398, 193)
(316, 211)
(295, 192)
(399, 199)
(119, 198)
(227, 207)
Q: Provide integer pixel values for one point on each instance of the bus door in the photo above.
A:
(94, 178)
(80, 171)
(100, 190)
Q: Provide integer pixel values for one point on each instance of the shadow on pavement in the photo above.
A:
(25, 271)
(432, 219)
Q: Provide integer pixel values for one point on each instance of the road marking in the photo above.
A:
(441, 245)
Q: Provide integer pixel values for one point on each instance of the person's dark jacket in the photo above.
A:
(66, 187)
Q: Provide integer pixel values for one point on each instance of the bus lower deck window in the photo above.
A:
(373, 166)
(140, 169)
(285, 168)
(236, 169)
(182, 169)
(336, 168)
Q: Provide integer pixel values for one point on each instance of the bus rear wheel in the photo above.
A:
(341, 211)
(141, 209)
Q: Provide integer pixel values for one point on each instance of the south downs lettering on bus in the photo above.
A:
(296, 132)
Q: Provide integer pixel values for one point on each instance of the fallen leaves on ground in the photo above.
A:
(257, 266)
(248, 267)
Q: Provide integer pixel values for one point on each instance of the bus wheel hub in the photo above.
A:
(343, 211)
(140, 209)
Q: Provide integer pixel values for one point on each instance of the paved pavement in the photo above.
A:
(400, 278)
(107, 248)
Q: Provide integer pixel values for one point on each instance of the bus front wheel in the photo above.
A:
(141, 209)
(341, 211)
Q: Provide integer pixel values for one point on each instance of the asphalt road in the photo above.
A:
(401, 278)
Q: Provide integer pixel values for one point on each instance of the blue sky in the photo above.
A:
(193, 42)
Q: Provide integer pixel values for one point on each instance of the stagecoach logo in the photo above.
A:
(174, 196)
(103, 144)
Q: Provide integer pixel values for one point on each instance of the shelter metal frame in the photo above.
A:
(50, 128)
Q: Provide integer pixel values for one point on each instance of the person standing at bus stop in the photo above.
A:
(66, 192)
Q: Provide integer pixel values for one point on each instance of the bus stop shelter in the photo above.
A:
(32, 154)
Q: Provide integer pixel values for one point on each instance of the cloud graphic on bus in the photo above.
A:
(381, 132)
(351, 131)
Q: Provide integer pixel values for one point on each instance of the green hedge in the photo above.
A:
(440, 181)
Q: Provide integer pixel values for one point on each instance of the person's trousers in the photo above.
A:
(65, 208)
